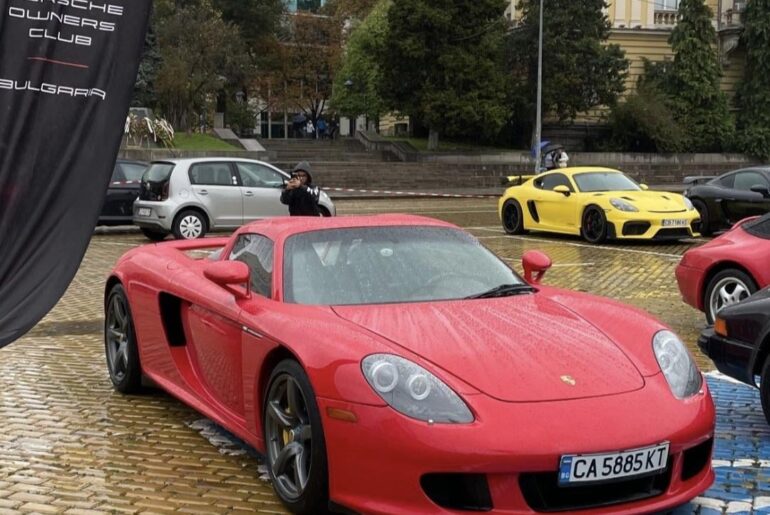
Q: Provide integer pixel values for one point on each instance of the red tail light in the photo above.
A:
(164, 191)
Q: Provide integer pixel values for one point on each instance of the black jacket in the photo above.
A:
(302, 201)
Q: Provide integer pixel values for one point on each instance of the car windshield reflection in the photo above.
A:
(593, 182)
(383, 265)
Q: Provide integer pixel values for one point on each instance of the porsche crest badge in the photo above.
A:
(569, 380)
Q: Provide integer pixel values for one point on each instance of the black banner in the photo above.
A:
(67, 71)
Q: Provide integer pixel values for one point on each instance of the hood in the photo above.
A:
(305, 167)
(650, 201)
(517, 349)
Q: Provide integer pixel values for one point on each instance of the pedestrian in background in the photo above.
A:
(300, 194)
(321, 128)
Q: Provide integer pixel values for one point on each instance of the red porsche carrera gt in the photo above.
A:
(728, 269)
(392, 364)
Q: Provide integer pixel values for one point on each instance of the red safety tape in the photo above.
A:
(411, 193)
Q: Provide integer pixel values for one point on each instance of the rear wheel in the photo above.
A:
(594, 226)
(703, 211)
(294, 440)
(764, 389)
(324, 212)
(726, 288)
(154, 235)
(190, 225)
(120, 344)
(513, 219)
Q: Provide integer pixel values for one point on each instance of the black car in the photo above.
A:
(739, 343)
(126, 181)
(724, 200)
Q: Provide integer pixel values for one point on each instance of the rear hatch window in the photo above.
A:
(155, 181)
(759, 227)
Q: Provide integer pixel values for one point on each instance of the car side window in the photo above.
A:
(257, 252)
(212, 174)
(745, 180)
(117, 174)
(550, 181)
(254, 175)
(727, 181)
(132, 171)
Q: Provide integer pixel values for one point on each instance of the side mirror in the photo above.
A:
(764, 190)
(564, 190)
(535, 265)
(644, 187)
(228, 274)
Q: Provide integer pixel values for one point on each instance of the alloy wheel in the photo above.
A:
(728, 291)
(289, 437)
(594, 225)
(511, 217)
(118, 327)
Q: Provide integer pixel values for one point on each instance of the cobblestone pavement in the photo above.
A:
(69, 444)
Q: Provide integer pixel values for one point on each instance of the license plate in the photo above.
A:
(576, 469)
(675, 223)
(144, 211)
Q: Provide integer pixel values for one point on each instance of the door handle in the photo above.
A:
(249, 194)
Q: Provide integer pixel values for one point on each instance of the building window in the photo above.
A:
(304, 5)
(666, 5)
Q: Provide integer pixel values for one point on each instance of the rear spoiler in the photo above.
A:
(514, 180)
(694, 180)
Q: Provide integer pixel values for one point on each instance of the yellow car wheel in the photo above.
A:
(513, 219)
(594, 226)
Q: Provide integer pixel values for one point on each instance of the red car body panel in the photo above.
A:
(733, 249)
(505, 356)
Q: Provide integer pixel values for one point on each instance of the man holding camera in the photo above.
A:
(300, 194)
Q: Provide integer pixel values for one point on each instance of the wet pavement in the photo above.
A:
(70, 444)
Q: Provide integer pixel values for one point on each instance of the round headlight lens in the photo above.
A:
(413, 391)
(678, 367)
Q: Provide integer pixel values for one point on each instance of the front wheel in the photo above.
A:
(294, 440)
(120, 344)
(726, 288)
(594, 226)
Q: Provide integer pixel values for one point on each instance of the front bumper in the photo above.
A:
(377, 463)
(731, 357)
(651, 226)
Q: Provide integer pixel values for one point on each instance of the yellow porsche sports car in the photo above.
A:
(597, 204)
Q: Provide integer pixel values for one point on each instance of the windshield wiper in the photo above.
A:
(504, 290)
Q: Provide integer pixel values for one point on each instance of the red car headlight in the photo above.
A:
(413, 391)
(679, 369)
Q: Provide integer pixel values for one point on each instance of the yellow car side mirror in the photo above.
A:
(564, 190)
(644, 187)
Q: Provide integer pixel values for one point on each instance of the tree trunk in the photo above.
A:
(432, 139)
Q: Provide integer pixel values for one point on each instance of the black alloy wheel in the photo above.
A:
(764, 389)
(154, 235)
(513, 220)
(703, 211)
(120, 344)
(294, 441)
(594, 227)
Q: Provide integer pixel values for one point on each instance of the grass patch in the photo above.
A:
(421, 144)
(184, 141)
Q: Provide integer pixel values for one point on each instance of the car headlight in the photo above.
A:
(683, 376)
(410, 389)
(622, 205)
(688, 204)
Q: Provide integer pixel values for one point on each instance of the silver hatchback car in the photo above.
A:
(189, 197)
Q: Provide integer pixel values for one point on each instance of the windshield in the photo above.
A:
(759, 227)
(604, 181)
(381, 265)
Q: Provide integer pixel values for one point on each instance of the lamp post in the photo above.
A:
(538, 118)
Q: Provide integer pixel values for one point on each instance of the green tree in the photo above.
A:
(356, 83)
(196, 64)
(580, 70)
(442, 65)
(692, 79)
(753, 98)
(259, 22)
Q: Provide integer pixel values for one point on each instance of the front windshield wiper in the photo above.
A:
(504, 290)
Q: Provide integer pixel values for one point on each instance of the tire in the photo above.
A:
(120, 347)
(154, 235)
(299, 422)
(513, 217)
(190, 225)
(594, 225)
(703, 211)
(764, 389)
(734, 285)
(324, 212)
